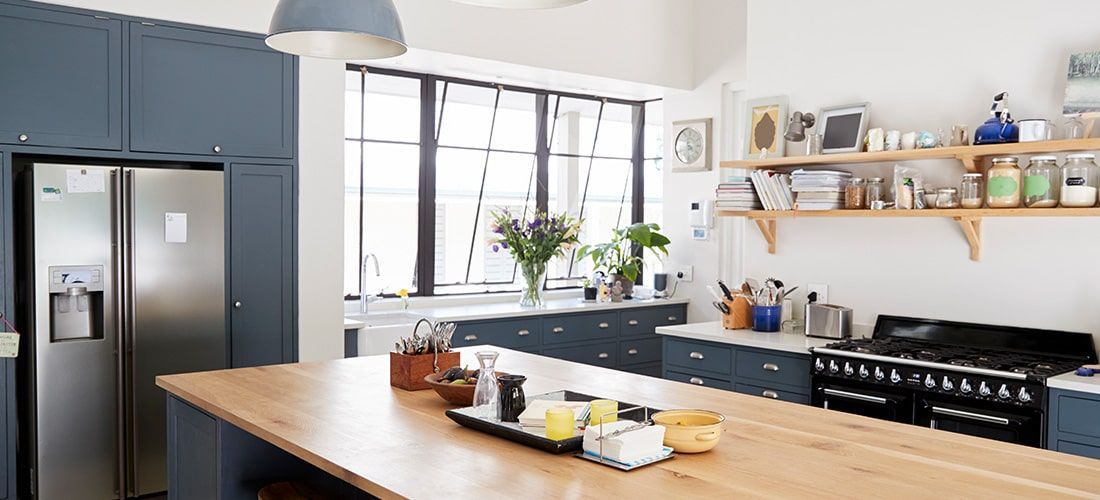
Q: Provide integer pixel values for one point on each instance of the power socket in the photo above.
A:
(822, 292)
(685, 273)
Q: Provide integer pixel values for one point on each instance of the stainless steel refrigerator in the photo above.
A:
(129, 283)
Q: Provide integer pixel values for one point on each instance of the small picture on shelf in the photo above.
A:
(767, 124)
(1082, 84)
(844, 127)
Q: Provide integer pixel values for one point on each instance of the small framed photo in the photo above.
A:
(767, 124)
(1083, 84)
(843, 127)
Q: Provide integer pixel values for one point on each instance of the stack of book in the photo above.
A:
(819, 189)
(737, 193)
(773, 189)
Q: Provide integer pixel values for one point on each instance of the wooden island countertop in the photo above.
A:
(343, 417)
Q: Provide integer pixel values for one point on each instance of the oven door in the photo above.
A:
(896, 406)
(1013, 425)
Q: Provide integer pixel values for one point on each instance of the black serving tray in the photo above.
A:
(535, 437)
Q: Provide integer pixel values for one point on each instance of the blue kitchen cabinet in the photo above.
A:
(759, 372)
(192, 469)
(1072, 423)
(512, 333)
(261, 218)
(206, 93)
(61, 82)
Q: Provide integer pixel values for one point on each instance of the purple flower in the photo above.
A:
(504, 244)
(496, 248)
(535, 224)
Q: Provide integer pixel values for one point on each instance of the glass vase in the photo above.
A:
(534, 283)
(487, 392)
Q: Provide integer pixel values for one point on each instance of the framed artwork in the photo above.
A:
(843, 128)
(1082, 84)
(767, 123)
(691, 145)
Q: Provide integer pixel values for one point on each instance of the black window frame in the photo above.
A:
(424, 277)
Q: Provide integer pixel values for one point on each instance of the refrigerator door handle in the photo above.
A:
(127, 319)
(118, 222)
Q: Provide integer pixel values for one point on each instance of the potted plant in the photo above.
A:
(532, 244)
(618, 256)
(589, 290)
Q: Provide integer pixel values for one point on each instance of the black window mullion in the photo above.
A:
(481, 191)
(637, 202)
(542, 154)
(424, 278)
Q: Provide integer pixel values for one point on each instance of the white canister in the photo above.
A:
(909, 140)
(893, 140)
(876, 139)
(1035, 130)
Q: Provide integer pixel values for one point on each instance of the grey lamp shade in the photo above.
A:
(522, 4)
(337, 29)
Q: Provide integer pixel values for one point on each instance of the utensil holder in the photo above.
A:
(408, 371)
(766, 318)
(740, 316)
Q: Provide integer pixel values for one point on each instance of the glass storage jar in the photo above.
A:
(972, 191)
(876, 192)
(1042, 179)
(855, 194)
(1079, 180)
(947, 198)
(1002, 184)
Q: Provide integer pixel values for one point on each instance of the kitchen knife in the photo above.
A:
(725, 290)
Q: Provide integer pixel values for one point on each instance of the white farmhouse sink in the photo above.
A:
(383, 330)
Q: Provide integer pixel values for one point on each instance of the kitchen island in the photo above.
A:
(232, 430)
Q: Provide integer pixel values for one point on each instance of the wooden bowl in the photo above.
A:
(460, 395)
(690, 431)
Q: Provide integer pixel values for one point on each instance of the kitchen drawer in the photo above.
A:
(701, 380)
(755, 390)
(645, 320)
(514, 334)
(650, 370)
(638, 351)
(773, 368)
(602, 354)
(699, 356)
(1079, 449)
(580, 327)
(1078, 414)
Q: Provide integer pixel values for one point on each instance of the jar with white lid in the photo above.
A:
(1002, 185)
(972, 191)
(1079, 180)
(1042, 180)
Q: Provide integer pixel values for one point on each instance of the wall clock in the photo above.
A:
(691, 145)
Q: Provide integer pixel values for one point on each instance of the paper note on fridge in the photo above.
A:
(9, 345)
(175, 227)
(83, 180)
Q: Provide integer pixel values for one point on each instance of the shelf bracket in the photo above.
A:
(767, 228)
(971, 163)
(972, 229)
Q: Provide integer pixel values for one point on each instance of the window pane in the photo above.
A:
(467, 116)
(392, 108)
(654, 130)
(653, 210)
(390, 214)
(616, 134)
(352, 150)
(574, 125)
(516, 120)
(606, 206)
(353, 112)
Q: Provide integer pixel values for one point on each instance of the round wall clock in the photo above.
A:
(691, 145)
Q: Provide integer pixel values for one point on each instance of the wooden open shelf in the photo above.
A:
(970, 220)
(970, 156)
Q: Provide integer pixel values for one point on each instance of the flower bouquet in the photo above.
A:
(532, 243)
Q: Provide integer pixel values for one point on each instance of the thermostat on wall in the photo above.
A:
(700, 218)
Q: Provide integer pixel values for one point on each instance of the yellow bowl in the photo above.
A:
(690, 431)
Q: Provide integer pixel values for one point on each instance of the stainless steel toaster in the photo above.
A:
(828, 321)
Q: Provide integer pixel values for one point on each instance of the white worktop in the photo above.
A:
(512, 309)
(353, 324)
(713, 332)
(1072, 382)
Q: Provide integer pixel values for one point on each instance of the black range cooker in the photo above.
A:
(981, 380)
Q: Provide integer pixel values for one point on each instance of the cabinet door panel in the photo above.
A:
(192, 452)
(262, 265)
(196, 92)
(61, 83)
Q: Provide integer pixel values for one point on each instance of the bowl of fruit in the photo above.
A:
(455, 384)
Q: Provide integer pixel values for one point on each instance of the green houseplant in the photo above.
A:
(618, 256)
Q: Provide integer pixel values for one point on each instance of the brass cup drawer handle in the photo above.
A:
(770, 394)
(558, 329)
(632, 322)
(603, 355)
(523, 333)
(770, 367)
(696, 380)
(696, 355)
(604, 326)
(470, 338)
(632, 352)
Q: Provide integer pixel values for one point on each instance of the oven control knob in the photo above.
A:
(965, 387)
(848, 370)
(1003, 392)
(863, 372)
(819, 365)
(984, 390)
(879, 374)
(895, 377)
(929, 382)
(947, 385)
(1023, 395)
(833, 367)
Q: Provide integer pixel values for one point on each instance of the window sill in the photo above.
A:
(395, 304)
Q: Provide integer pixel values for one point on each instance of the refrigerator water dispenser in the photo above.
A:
(76, 303)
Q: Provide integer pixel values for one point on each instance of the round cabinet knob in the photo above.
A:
(947, 384)
(819, 365)
(965, 387)
(895, 377)
(863, 371)
(1023, 395)
(879, 374)
(1004, 392)
(237, 305)
(217, 148)
(929, 382)
(23, 138)
(848, 370)
(833, 367)
(984, 390)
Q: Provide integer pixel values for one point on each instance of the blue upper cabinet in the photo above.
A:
(197, 92)
(60, 79)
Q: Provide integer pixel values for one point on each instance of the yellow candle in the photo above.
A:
(560, 423)
(605, 407)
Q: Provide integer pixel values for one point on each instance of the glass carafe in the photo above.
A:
(487, 392)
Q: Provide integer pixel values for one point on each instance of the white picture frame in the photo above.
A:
(701, 126)
(842, 115)
(772, 109)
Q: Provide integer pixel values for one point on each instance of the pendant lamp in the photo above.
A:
(337, 29)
